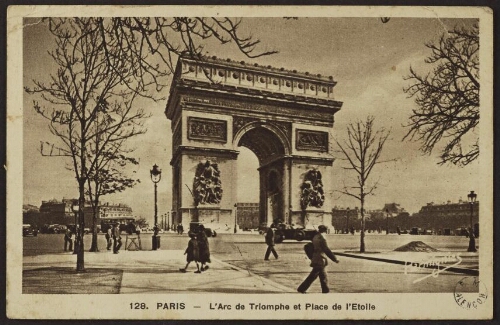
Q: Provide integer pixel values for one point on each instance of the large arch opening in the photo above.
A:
(269, 151)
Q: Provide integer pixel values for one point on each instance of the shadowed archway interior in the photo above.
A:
(264, 143)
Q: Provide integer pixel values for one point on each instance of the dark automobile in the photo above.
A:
(284, 231)
(54, 229)
(28, 230)
(72, 228)
(416, 231)
(194, 228)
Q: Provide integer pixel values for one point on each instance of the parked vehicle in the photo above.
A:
(28, 230)
(462, 232)
(194, 228)
(54, 229)
(416, 231)
(284, 232)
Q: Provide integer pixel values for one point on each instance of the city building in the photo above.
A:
(446, 215)
(344, 219)
(247, 215)
(61, 212)
(109, 211)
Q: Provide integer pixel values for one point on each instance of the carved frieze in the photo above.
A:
(207, 129)
(311, 140)
(286, 128)
(239, 122)
(311, 190)
(261, 108)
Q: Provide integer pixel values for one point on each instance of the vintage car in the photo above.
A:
(54, 229)
(284, 232)
(194, 228)
(28, 230)
(416, 231)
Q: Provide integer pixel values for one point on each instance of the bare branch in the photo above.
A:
(447, 98)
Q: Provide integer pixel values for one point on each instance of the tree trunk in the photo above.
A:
(362, 235)
(93, 246)
(80, 263)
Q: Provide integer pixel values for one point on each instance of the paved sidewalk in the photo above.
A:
(158, 272)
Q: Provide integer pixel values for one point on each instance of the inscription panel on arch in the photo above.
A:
(207, 129)
(311, 140)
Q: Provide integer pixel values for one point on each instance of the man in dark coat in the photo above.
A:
(203, 247)
(270, 244)
(319, 262)
(68, 239)
(117, 238)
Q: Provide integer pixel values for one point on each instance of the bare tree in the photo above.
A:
(362, 151)
(447, 98)
(104, 61)
(108, 156)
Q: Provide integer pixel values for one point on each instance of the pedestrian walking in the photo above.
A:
(117, 243)
(192, 254)
(270, 244)
(109, 236)
(68, 239)
(204, 248)
(319, 262)
(180, 229)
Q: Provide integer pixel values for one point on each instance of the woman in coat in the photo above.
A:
(192, 253)
(204, 249)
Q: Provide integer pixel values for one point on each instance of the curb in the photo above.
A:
(386, 260)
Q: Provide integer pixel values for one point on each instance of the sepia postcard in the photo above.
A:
(247, 162)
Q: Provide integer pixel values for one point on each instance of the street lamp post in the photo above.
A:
(168, 221)
(75, 208)
(472, 240)
(235, 218)
(387, 221)
(155, 177)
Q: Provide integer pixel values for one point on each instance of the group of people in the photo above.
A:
(319, 259)
(113, 238)
(198, 251)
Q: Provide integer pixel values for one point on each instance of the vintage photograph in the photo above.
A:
(228, 163)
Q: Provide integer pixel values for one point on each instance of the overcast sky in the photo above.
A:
(367, 58)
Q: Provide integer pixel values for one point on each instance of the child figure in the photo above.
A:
(192, 253)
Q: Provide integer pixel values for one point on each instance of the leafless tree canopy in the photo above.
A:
(362, 150)
(103, 65)
(447, 98)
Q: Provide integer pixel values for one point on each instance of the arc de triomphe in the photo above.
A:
(286, 118)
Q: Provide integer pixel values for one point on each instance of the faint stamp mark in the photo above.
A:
(470, 293)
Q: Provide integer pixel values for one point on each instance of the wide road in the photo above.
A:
(234, 245)
(246, 252)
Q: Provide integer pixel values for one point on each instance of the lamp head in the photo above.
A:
(472, 197)
(75, 206)
(155, 174)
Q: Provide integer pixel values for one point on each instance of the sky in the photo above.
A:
(367, 58)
